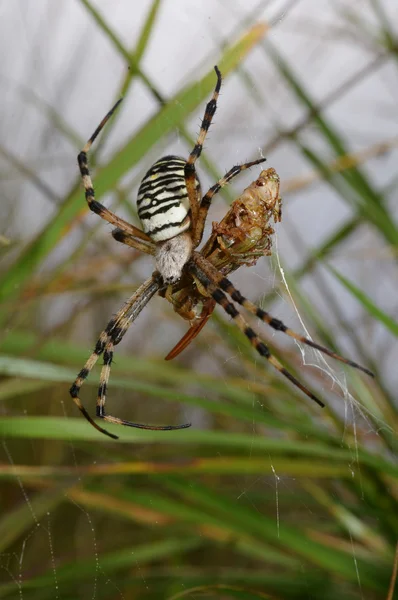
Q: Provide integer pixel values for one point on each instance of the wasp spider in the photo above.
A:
(173, 214)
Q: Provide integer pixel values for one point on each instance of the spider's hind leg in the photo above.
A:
(227, 286)
(103, 386)
(82, 376)
(211, 108)
(112, 335)
(210, 282)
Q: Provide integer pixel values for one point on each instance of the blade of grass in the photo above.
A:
(78, 430)
(225, 591)
(11, 366)
(18, 522)
(292, 467)
(243, 519)
(112, 562)
(368, 199)
(242, 397)
(30, 175)
(146, 30)
(368, 304)
(134, 57)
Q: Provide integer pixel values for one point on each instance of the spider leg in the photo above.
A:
(93, 205)
(82, 376)
(190, 179)
(129, 240)
(221, 299)
(228, 287)
(204, 206)
(120, 331)
(113, 333)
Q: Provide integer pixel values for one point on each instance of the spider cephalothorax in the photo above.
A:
(173, 215)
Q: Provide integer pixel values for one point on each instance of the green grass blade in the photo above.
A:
(367, 198)
(113, 562)
(78, 430)
(19, 522)
(377, 313)
(146, 30)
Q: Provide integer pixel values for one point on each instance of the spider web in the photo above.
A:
(352, 406)
(353, 409)
(338, 379)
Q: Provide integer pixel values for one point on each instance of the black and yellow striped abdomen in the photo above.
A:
(162, 200)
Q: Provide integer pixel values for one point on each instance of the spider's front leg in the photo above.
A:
(205, 203)
(93, 204)
(217, 284)
(189, 168)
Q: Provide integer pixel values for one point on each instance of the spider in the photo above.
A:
(173, 213)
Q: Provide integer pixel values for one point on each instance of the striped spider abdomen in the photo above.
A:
(162, 200)
(164, 211)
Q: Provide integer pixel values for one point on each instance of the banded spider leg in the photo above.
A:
(110, 337)
(89, 192)
(216, 284)
(189, 169)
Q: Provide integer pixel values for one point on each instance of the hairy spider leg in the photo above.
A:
(189, 169)
(82, 376)
(93, 205)
(129, 240)
(111, 336)
(110, 330)
(225, 284)
(206, 279)
(104, 378)
(204, 206)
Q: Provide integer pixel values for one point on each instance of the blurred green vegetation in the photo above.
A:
(182, 514)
